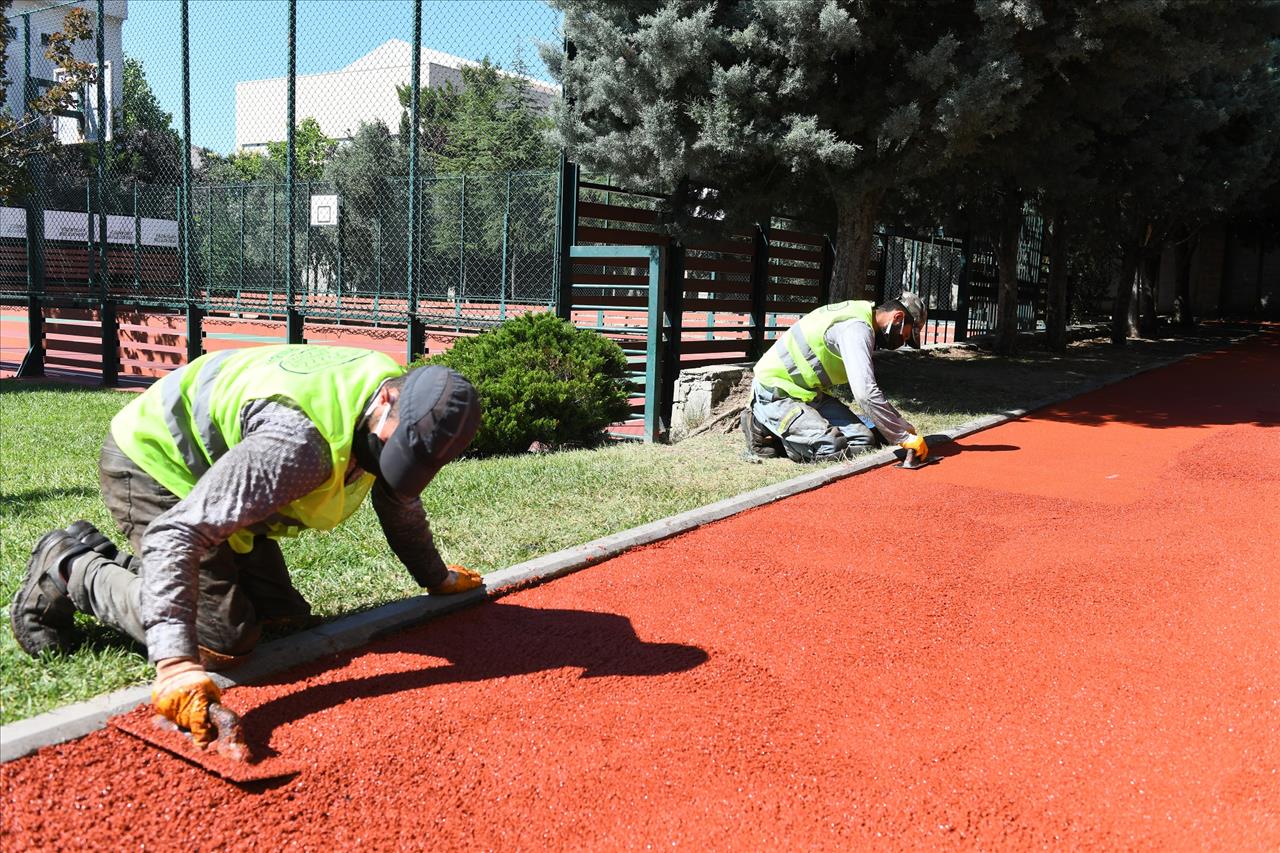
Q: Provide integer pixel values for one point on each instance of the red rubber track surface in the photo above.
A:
(1066, 635)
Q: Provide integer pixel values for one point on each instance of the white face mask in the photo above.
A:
(887, 331)
(386, 413)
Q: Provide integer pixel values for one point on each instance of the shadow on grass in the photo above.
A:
(93, 636)
(59, 384)
(53, 494)
(495, 640)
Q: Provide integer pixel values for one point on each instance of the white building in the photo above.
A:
(364, 91)
(44, 21)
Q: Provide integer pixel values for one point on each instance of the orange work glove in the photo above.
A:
(916, 443)
(459, 580)
(182, 693)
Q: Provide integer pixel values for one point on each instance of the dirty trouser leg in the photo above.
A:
(107, 591)
(822, 429)
(226, 621)
(265, 579)
(858, 430)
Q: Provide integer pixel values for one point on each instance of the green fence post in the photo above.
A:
(137, 243)
(275, 262)
(307, 286)
(673, 305)
(826, 269)
(962, 298)
(240, 289)
(209, 279)
(377, 263)
(654, 379)
(110, 327)
(293, 317)
(566, 235)
(415, 334)
(195, 313)
(90, 250)
(759, 287)
(33, 361)
(502, 279)
(566, 215)
(882, 274)
(341, 258)
(462, 250)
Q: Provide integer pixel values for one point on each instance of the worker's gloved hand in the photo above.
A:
(182, 693)
(459, 580)
(916, 443)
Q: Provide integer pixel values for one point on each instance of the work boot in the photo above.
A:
(760, 442)
(42, 615)
(83, 531)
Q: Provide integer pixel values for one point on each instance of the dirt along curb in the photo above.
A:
(348, 632)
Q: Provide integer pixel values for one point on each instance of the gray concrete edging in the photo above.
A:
(348, 632)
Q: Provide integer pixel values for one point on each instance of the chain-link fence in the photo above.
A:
(261, 159)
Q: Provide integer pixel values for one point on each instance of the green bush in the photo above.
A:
(540, 379)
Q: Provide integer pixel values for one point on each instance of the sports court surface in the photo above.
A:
(1065, 635)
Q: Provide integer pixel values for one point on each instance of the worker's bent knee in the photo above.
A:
(859, 435)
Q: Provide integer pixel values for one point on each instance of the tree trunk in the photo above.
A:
(855, 238)
(1182, 259)
(1056, 298)
(1120, 326)
(1225, 285)
(1007, 303)
(1148, 285)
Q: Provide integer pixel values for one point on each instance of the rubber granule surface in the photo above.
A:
(1066, 635)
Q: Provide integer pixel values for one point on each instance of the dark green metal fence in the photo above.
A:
(392, 170)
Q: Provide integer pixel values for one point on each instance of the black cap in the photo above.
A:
(439, 415)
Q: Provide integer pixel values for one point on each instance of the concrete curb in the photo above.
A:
(349, 632)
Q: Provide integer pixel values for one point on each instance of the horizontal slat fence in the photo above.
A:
(724, 298)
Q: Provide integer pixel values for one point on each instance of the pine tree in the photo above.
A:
(780, 105)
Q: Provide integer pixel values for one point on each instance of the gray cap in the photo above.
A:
(919, 316)
(439, 415)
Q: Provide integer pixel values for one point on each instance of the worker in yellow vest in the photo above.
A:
(208, 468)
(792, 411)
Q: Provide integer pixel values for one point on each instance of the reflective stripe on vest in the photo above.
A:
(799, 364)
(181, 426)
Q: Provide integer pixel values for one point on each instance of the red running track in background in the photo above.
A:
(1065, 635)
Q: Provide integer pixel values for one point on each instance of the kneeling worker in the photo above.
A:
(213, 463)
(792, 411)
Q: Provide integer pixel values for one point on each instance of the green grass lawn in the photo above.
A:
(486, 513)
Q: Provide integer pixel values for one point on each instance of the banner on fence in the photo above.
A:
(73, 226)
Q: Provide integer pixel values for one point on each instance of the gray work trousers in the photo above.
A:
(823, 428)
(237, 592)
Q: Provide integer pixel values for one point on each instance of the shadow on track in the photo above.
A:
(955, 448)
(495, 640)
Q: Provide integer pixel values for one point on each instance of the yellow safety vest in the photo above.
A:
(799, 364)
(178, 428)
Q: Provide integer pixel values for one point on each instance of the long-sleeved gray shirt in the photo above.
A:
(281, 457)
(854, 341)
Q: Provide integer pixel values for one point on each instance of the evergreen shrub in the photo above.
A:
(541, 380)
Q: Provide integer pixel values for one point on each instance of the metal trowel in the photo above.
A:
(912, 462)
(229, 757)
